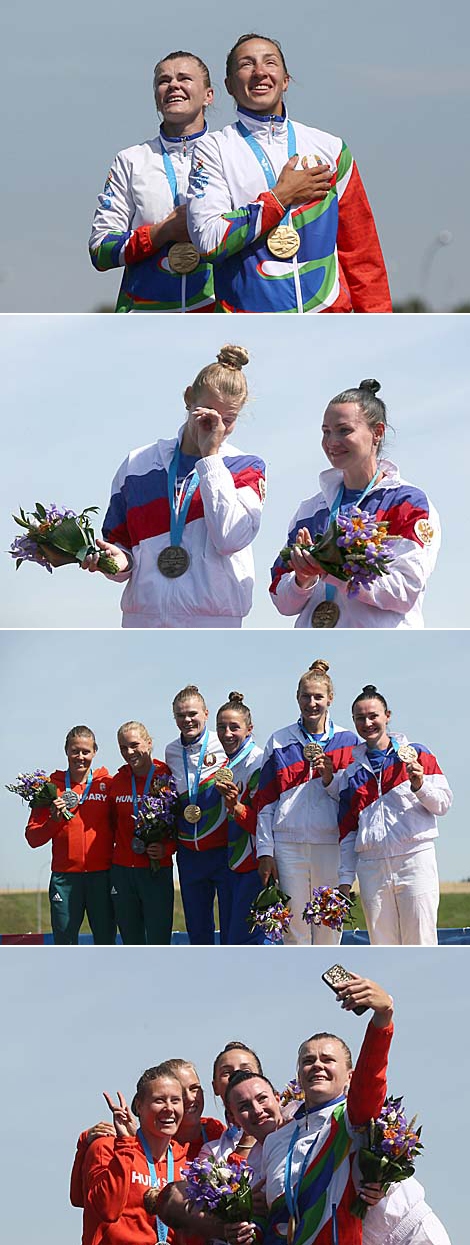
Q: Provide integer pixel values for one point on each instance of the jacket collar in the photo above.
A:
(258, 124)
(330, 480)
(359, 751)
(183, 141)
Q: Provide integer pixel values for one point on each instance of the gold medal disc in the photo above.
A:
(192, 813)
(313, 751)
(326, 614)
(291, 1227)
(183, 257)
(223, 775)
(173, 561)
(407, 753)
(283, 241)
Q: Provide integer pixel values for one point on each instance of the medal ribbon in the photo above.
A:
(246, 747)
(135, 797)
(168, 163)
(179, 502)
(324, 739)
(263, 159)
(335, 509)
(292, 1192)
(193, 785)
(162, 1230)
(87, 788)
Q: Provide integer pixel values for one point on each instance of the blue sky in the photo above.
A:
(77, 87)
(80, 391)
(80, 1021)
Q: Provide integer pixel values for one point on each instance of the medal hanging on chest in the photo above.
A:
(284, 240)
(192, 813)
(174, 560)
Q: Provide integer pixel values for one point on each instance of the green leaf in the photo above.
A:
(66, 536)
(40, 511)
(21, 522)
(18, 563)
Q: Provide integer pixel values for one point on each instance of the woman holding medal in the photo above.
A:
(140, 221)
(237, 782)
(78, 823)
(390, 797)
(194, 759)
(297, 831)
(117, 1170)
(184, 513)
(143, 898)
(354, 427)
(278, 207)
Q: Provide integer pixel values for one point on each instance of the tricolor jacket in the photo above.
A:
(393, 600)
(137, 195)
(242, 828)
(339, 265)
(380, 816)
(293, 803)
(211, 830)
(222, 521)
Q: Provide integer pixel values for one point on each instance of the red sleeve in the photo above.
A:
(41, 827)
(140, 245)
(106, 1170)
(247, 818)
(359, 251)
(77, 1196)
(368, 1087)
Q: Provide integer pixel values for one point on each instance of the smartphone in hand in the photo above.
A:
(338, 976)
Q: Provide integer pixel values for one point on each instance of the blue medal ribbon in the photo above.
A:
(168, 163)
(246, 747)
(161, 1228)
(263, 159)
(87, 787)
(135, 797)
(192, 781)
(179, 501)
(315, 739)
(335, 509)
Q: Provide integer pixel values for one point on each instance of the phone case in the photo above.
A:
(337, 976)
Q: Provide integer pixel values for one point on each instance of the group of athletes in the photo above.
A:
(318, 806)
(128, 1178)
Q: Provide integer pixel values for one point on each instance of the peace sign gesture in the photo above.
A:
(122, 1116)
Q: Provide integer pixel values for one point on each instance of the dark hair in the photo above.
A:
(152, 1074)
(237, 1046)
(238, 1077)
(76, 732)
(236, 703)
(369, 692)
(173, 56)
(246, 39)
(318, 1037)
(372, 407)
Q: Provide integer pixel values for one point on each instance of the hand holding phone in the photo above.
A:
(336, 977)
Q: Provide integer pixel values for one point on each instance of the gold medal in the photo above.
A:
(407, 753)
(291, 1228)
(326, 614)
(183, 257)
(313, 751)
(173, 561)
(192, 813)
(283, 241)
(224, 776)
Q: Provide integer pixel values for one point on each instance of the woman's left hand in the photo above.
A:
(156, 851)
(208, 428)
(371, 1193)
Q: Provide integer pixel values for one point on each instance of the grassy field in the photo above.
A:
(19, 911)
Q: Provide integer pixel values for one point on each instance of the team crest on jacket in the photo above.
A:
(424, 531)
(309, 162)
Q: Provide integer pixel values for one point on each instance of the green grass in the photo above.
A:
(18, 913)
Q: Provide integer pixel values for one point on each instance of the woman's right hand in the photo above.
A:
(267, 868)
(173, 229)
(102, 1129)
(123, 1119)
(302, 185)
(58, 808)
(90, 563)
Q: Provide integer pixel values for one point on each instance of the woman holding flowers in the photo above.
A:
(297, 831)
(391, 796)
(364, 496)
(237, 782)
(78, 823)
(184, 513)
(142, 871)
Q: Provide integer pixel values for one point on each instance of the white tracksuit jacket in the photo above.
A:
(293, 805)
(393, 600)
(403, 1218)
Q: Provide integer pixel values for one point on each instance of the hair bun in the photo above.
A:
(235, 698)
(372, 385)
(233, 356)
(321, 666)
(369, 690)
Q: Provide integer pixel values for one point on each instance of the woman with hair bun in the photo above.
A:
(354, 427)
(390, 798)
(184, 512)
(297, 830)
(237, 782)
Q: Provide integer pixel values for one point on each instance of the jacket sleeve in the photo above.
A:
(216, 228)
(232, 514)
(359, 251)
(267, 798)
(113, 242)
(368, 1087)
(107, 1174)
(435, 794)
(77, 1196)
(412, 563)
(41, 827)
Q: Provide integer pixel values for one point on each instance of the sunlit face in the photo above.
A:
(258, 78)
(160, 1109)
(371, 721)
(136, 749)
(180, 91)
(228, 408)
(347, 440)
(255, 1107)
(232, 730)
(193, 1094)
(190, 717)
(313, 700)
(228, 1063)
(323, 1071)
(80, 753)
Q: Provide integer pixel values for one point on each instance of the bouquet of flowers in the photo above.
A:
(37, 790)
(156, 819)
(355, 548)
(328, 907)
(270, 912)
(53, 530)
(392, 1143)
(220, 1186)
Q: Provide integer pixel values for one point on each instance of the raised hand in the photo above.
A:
(123, 1119)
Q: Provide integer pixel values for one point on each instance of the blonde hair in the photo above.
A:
(135, 726)
(225, 377)
(319, 671)
(187, 693)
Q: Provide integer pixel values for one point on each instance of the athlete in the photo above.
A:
(78, 823)
(143, 897)
(140, 221)
(184, 513)
(353, 431)
(391, 795)
(238, 784)
(278, 207)
(297, 832)
(194, 758)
